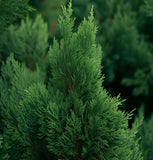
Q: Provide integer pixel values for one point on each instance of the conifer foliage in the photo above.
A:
(125, 33)
(28, 42)
(93, 127)
(50, 10)
(70, 118)
(11, 11)
(146, 134)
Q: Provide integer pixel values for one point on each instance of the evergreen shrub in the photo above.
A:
(69, 117)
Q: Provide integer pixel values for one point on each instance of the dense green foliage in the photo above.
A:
(11, 11)
(89, 109)
(66, 113)
(28, 42)
(50, 10)
(145, 133)
(16, 119)
(125, 33)
(147, 138)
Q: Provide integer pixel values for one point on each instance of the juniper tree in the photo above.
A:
(127, 53)
(84, 122)
(72, 117)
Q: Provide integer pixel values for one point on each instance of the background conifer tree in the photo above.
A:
(11, 12)
(50, 10)
(28, 42)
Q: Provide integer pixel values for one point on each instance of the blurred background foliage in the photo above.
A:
(125, 32)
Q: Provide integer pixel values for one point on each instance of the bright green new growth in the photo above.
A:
(28, 42)
(72, 117)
